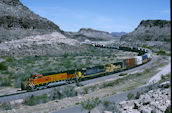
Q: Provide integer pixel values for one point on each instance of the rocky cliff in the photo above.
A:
(150, 30)
(89, 34)
(17, 21)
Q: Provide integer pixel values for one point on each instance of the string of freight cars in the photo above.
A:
(45, 80)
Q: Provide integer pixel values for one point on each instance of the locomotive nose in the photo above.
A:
(23, 85)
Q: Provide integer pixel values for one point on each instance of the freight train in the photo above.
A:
(40, 81)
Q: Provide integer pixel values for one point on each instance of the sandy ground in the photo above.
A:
(8, 90)
(164, 70)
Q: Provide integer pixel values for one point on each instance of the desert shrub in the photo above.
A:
(167, 39)
(130, 96)
(33, 100)
(106, 104)
(90, 103)
(5, 82)
(163, 77)
(65, 55)
(146, 46)
(135, 106)
(168, 110)
(122, 74)
(56, 94)
(109, 106)
(9, 59)
(5, 106)
(86, 90)
(69, 91)
(3, 67)
(161, 52)
(138, 95)
(150, 87)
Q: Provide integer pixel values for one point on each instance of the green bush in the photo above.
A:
(135, 106)
(33, 100)
(9, 59)
(56, 94)
(90, 103)
(145, 46)
(109, 106)
(5, 82)
(122, 74)
(130, 96)
(138, 95)
(106, 104)
(5, 106)
(168, 110)
(161, 52)
(3, 67)
(69, 91)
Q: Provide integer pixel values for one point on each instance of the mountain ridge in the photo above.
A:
(150, 30)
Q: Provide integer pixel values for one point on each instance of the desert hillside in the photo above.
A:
(17, 21)
(150, 30)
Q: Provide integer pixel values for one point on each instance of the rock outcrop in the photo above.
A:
(11, 2)
(150, 30)
(89, 34)
(155, 101)
(17, 21)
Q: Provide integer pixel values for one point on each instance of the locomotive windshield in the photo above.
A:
(33, 76)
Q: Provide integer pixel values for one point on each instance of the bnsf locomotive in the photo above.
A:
(45, 80)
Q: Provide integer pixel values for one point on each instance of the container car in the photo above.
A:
(131, 62)
(138, 60)
(144, 57)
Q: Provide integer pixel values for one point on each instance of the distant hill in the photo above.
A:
(150, 30)
(118, 34)
(17, 21)
(89, 34)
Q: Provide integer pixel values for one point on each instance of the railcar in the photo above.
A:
(91, 72)
(138, 60)
(144, 58)
(125, 48)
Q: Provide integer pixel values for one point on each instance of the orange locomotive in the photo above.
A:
(40, 81)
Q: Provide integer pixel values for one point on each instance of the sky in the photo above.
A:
(105, 15)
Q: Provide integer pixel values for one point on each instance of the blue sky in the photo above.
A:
(106, 15)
